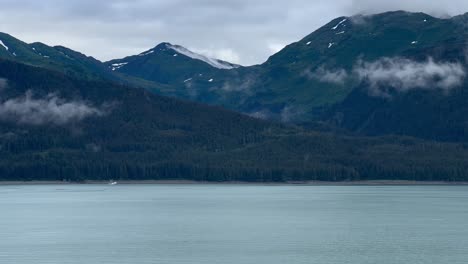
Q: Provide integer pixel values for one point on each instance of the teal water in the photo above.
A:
(211, 224)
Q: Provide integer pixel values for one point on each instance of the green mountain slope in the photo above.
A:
(174, 68)
(57, 58)
(291, 86)
(324, 77)
(308, 75)
(55, 127)
(408, 97)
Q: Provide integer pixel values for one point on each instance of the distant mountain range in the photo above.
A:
(66, 116)
(392, 73)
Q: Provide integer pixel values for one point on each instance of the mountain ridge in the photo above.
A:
(317, 77)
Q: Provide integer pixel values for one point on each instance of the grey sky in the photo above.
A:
(241, 31)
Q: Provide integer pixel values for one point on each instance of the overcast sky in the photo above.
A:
(240, 31)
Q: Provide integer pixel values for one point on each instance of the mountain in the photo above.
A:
(56, 58)
(309, 77)
(173, 67)
(332, 76)
(57, 127)
(392, 73)
(417, 89)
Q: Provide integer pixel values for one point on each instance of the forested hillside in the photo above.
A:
(55, 127)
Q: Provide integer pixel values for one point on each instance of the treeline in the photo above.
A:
(281, 159)
(173, 171)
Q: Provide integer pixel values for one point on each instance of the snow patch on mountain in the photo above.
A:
(3, 44)
(117, 66)
(341, 22)
(146, 53)
(213, 62)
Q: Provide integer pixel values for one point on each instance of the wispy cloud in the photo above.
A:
(3, 83)
(287, 114)
(263, 114)
(433, 7)
(240, 84)
(403, 74)
(50, 110)
(336, 76)
(225, 54)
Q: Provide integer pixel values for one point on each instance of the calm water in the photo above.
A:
(213, 224)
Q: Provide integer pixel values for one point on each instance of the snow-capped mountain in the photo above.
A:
(176, 53)
(213, 62)
(173, 66)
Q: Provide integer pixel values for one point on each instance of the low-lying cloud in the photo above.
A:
(50, 110)
(403, 74)
(338, 76)
(3, 83)
(263, 114)
(240, 84)
(433, 7)
(287, 114)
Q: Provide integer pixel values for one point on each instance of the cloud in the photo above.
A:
(286, 114)
(224, 54)
(359, 19)
(404, 74)
(337, 76)
(275, 47)
(240, 84)
(51, 110)
(3, 83)
(434, 7)
(191, 89)
(243, 26)
(263, 114)
(253, 30)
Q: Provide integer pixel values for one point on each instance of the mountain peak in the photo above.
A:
(213, 62)
(180, 50)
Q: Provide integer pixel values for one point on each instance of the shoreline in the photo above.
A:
(292, 183)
